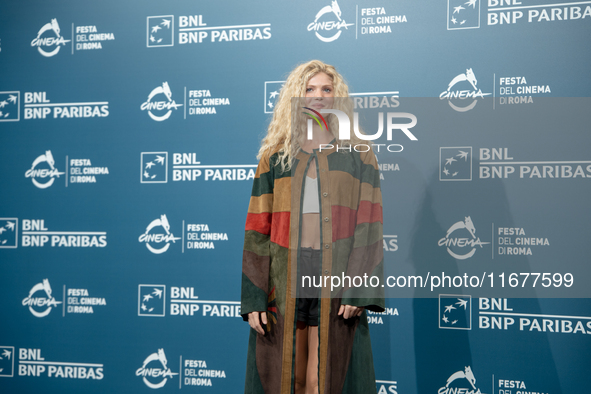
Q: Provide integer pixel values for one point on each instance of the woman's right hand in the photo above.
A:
(255, 322)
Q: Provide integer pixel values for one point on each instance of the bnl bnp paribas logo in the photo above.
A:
(154, 167)
(43, 171)
(272, 89)
(7, 361)
(151, 300)
(193, 29)
(461, 88)
(328, 24)
(158, 236)
(160, 103)
(155, 371)
(461, 241)
(160, 31)
(8, 233)
(463, 14)
(455, 163)
(49, 40)
(10, 106)
(455, 312)
(40, 299)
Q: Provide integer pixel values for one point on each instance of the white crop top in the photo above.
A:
(311, 203)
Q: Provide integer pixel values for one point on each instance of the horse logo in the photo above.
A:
(463, 242)
(48, 302)
(467, 224)
(169, 104)
(339, 24)
(468, 76)
(163, 372)
(465, 374)
(158, 238)
(461, 94)
(334, 8)
(43, 173)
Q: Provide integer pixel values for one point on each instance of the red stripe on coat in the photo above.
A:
(369, 213)
(259, 222)
(280, 229)
(343, 222)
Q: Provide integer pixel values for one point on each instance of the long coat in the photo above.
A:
(351, 244)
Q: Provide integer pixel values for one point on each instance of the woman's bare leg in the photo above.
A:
(301, 357)
(312, 373)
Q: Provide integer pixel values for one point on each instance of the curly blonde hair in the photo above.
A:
(288, 126)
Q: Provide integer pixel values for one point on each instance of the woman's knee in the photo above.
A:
(300, 379)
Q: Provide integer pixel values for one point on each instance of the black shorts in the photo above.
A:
(310, 264)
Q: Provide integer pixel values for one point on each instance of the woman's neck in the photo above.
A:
(320, 136)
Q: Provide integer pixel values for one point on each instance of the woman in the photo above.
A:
(315, 210)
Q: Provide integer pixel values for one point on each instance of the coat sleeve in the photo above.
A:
(367, 254)
(256, 253)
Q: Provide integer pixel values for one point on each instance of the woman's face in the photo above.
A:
(319, 92)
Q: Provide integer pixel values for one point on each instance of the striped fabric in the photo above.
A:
(352, 245)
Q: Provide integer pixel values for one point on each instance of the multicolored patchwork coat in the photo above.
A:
(351, 244)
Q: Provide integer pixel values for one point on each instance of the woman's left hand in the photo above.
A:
(349, 311)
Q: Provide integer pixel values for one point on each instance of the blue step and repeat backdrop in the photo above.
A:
(129, 132)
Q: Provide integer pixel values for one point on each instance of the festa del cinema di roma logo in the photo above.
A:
(160, 110)
(40, 306)
(153, 238)
(456, 244)
(34, 173)
(463, 91)
(326, 26)
(159, 375)
(45, 42)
